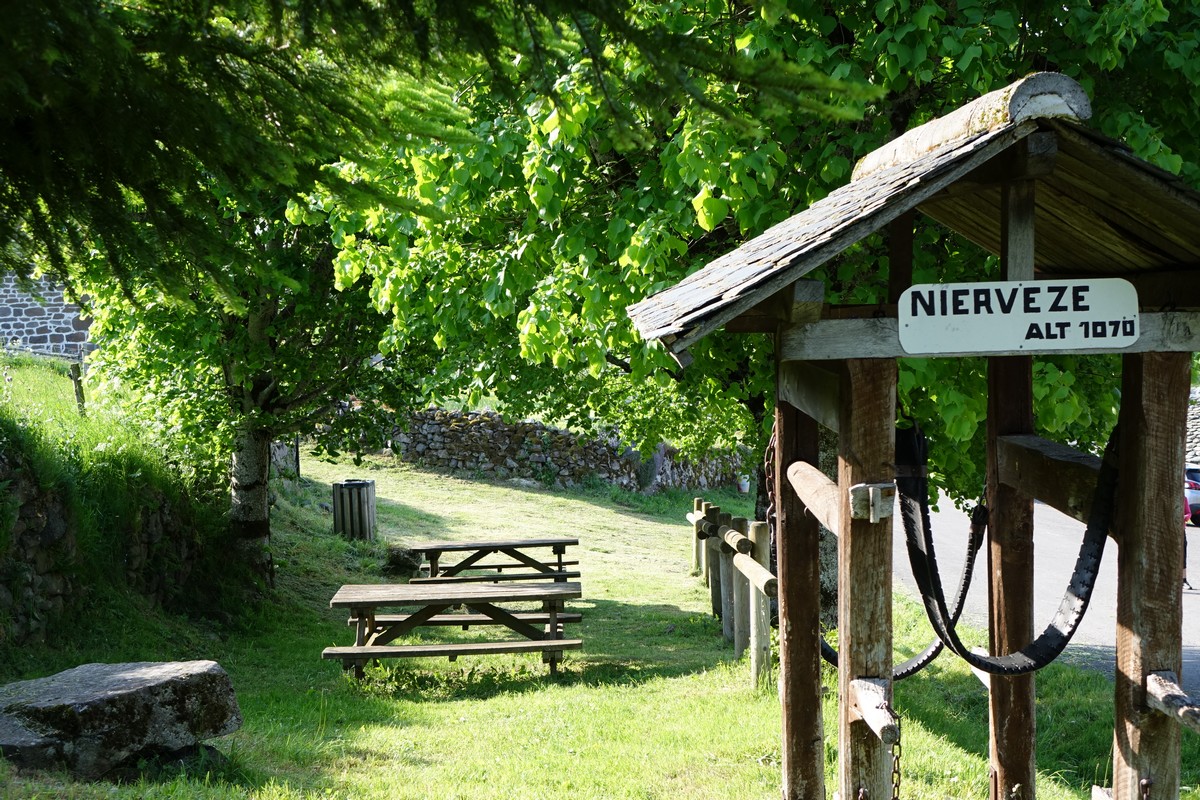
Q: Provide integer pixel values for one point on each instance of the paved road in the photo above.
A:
(1056, 545)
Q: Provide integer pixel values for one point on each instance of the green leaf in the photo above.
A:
(710, 211)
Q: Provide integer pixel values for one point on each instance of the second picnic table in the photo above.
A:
(523, 553)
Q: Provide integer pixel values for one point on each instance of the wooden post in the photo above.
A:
(741, 598)
(1153, 419)
(704, 567)
(760, 611)
(727, 571)
(797, 538)
(712, 556)
(697, 543)
(1010, 532)
(866, 454)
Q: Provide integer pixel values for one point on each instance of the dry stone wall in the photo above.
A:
(37, 548)
(42, 321)
(39, 555)
(483, 442)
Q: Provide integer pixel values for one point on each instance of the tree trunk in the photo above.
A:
(250, 507)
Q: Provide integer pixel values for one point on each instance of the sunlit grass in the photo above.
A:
(654, 706)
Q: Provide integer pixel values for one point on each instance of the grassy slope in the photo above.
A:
(651, 707)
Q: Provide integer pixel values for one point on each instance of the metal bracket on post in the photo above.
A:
(872, 501)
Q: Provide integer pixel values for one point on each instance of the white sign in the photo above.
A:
(1003, 316)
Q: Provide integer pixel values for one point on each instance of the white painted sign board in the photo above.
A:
(1011, 316)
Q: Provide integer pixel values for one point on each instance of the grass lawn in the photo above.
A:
(653, 706)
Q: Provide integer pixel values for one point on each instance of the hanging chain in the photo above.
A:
(769, 472)
(896, 751)
(1146, 783)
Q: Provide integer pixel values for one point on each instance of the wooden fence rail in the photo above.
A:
(733, 557)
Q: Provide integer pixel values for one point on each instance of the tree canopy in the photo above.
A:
(556, 218)
(115, 118)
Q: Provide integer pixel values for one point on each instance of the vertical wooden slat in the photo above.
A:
(1153, 418)
(797, 537)
(697, 543)
(760, 611)
(866, 454)
(704, 566)
(741, 598)
(1010, 530)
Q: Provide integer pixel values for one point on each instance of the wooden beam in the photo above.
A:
(866, 454)
(1174, 289)
(1056, 474)
(1163, 693)
(1153, 417)
(1161, 332)
(900, 254)
(1032, 157)
(1010, 532)
(800, 302)
(817, 492)
(812, 389)
(797, 538)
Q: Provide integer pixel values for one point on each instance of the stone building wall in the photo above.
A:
(44, 321)
(483, 442)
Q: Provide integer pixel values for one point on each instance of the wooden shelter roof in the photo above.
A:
(1100, 210)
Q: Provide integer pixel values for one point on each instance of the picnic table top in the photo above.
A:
(444, 547)
(398, 594)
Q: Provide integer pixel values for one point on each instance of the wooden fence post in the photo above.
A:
(1010, 530)
(741, 598)
(866, 454)
(713, 559)
(797, 537)
(760, 611)
(697, 542)
(1153, 417)
(727, 572)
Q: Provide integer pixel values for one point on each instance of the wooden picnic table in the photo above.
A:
(433, 601)
(522, 553)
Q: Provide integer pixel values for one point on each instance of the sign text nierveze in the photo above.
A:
(1003, 316)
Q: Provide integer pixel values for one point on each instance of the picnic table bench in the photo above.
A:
(521, 554)
(541, 631)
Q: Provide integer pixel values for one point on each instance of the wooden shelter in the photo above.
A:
(1096, 249)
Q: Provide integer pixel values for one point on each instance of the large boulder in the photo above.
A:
(100, 718)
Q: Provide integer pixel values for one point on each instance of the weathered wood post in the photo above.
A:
(760, 610)
(727, 571)
(712, 550)
(866, 455)
(797, 539)
(705, 569)
(1153, 419)
(741, 598)
(1010, 529)
(697, 543)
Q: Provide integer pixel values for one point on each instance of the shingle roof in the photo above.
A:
(1100, 211)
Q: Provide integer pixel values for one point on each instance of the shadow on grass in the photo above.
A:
(1074, 716)
(624, 644)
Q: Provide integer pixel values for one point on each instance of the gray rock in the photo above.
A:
(95, 718)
